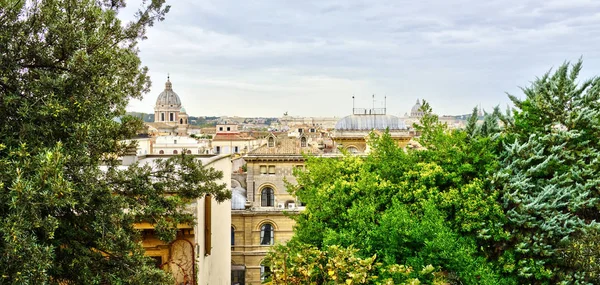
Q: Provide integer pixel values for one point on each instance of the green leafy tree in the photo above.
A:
(67, 69)
(434, 207)
(298, 263)
(549, 181)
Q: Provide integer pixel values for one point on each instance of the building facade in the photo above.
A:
(261, 203)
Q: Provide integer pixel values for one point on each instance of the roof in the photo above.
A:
(160, 125)
(233, 137)
(286, 146)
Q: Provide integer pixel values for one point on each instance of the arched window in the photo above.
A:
(186, 121)
(189, 151)
(267, 197)
(181, 121)
(265, 272)
(175, 152)
(352, 149)
(266, 234)
(232, 236)
(161, 152)
(271, 142)
(303, 142)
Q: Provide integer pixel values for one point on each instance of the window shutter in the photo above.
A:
(207, 225)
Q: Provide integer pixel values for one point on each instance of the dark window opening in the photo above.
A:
(157, 261)
(265, 273)
(238, 277)
(267, 197)
(266, 234)
(271, 142)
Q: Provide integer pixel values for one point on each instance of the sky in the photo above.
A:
(263, 58)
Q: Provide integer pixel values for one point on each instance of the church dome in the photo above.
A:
(182, 110)
(168, 98)
(416, 110)
(369, 122)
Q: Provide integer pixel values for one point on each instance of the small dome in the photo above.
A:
(370, 122)
(168, 98)
(238, 198)
(416, 110)
(182, 110)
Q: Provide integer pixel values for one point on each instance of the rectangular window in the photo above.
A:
(218, 149)
(171, 117)
(220, 128)
(228, 129)
(236, 149)
(263, 169)
(271, 169)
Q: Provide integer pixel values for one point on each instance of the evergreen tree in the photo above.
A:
(549, 181)
(67, 69)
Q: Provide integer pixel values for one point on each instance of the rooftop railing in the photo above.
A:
(371, 111)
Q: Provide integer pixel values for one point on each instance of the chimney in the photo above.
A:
(130, 156)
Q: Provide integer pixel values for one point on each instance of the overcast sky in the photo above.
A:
(263, 58)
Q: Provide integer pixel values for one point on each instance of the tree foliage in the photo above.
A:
(298, 263)
(434, 207)
(549, 179)
(67, 69)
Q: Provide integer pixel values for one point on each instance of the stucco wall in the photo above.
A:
(215, 268)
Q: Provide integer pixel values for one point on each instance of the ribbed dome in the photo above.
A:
(369, 122)
(168, 98)
(416, 110)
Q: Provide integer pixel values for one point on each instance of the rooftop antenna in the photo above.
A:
(384, 105)
(353, 104)
(373, 102)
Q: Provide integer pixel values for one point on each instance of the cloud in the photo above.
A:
(243, 58)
